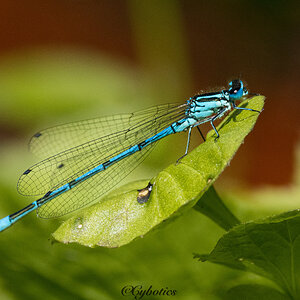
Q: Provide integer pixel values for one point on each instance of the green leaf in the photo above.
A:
(269, 247)
(211, 205)
(254, 292)
(119, 218)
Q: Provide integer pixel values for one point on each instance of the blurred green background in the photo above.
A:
(67, 60)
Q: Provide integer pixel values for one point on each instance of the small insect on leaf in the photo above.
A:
(144, 194)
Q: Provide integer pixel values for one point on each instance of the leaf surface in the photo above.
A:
(269, 247)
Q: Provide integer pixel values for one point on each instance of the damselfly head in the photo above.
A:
(237, 90)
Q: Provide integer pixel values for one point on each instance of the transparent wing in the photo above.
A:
(56, 139)
(93, 188)
(64, 167)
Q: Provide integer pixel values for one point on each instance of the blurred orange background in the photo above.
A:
(194, 44)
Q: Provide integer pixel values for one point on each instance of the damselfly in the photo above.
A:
(83, 160)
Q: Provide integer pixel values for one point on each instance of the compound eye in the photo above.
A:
(232, 91)
(235, 86)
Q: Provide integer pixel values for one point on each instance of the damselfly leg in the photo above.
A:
(244, 108)
(187, 145)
